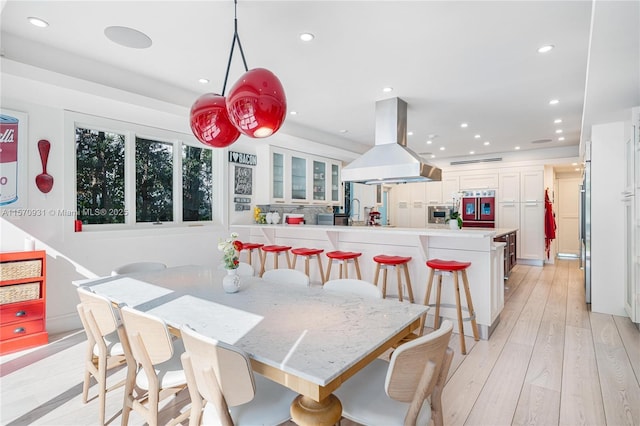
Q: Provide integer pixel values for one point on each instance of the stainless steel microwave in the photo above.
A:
(437, 214)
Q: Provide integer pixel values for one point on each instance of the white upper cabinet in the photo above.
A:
(479, 181)
(532, 186)
(433, 195)
(509, 187)
(290, 177)
(450, 186)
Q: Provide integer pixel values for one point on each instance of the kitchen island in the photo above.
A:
(486, 275)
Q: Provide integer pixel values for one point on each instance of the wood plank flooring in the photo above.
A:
(549, 362)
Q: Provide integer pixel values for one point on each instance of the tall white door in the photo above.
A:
(567, 216)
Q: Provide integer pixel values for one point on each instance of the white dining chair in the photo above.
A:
(244, 269)
(107, 346)
(405, 391)
(130, 268)
(223, 388)
(292, 276)
(156, 359)
(354, 286)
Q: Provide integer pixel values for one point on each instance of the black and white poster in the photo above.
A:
(243, 181)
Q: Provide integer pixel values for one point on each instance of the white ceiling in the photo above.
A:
(453, 62)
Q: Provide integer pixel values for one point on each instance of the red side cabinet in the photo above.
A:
(23, 295)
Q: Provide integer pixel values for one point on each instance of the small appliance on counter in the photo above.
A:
(293, 219)
(325, 219)
(437, 215)
(341, 219)
(374, 218)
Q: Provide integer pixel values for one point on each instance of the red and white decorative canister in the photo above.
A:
(8, 159)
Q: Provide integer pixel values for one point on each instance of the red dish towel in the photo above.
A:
(549, 222)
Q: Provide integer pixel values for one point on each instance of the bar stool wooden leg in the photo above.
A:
(306, 264)
(357, 264)
(472, 311)
(463, 347)
(384, 283)
(320, 267)
(329, 269)
(289, 259)
(263, 259)
(295, 258)
(376, 276)
(399, 283)
(408, 282)
(436, 320)
(250, 253)
(427, 296)
(276, 255)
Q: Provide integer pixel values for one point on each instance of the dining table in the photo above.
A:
(304, 337)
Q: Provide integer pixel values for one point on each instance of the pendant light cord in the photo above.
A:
(233, 44)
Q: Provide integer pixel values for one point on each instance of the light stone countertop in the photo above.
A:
(308, 332)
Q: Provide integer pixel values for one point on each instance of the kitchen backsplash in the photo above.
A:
(310, 212)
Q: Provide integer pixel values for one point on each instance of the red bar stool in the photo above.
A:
(385, 262)
(276, 250)
(308, 253)
(344, 257)
(250, 247)
(439, 267)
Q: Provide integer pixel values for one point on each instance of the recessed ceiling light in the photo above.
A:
(429, 142)
(433, 156)
(472, 152)
(464, 125)
(486, 143)
(128, 37)
(306, 36)
(477, 136)
(203, 80)
(409, 133)
(294, 113)
(558, 130)
(387, 89)
(554, 102)
(344, 131)
(546, 48)
(557, 120)
(442, 148)
(517, 148)
(38, 22)
(561, 138)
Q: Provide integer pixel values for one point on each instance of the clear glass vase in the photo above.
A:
(231, 281)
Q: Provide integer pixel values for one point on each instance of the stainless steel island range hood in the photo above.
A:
(390, 161)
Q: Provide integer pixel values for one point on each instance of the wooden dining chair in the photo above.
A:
(412, 381)
(354, 286)
(107, 346)
(292, 276)
(130, 268)
(224, 390)
(156, 358)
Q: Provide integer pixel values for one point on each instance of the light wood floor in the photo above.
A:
(549, 362)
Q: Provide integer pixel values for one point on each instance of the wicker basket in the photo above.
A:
(20, 269)
(19, 292)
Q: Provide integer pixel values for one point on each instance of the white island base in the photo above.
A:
(486, 274)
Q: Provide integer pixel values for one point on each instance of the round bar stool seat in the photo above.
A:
(308, 253)
(250, 247)
(276, 250)
(439, 266)
(384, 261)
(344, 257)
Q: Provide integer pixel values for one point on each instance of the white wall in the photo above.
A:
(607, 227)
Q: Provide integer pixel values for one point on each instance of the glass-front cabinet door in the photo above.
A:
(277, 176)
(335, 183)
(298, 178)
(319, 181)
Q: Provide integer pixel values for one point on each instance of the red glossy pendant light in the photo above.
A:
(210, 121)
(256, 107)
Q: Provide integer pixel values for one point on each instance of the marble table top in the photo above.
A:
(309, 332)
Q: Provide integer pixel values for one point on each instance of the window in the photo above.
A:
(128, 174)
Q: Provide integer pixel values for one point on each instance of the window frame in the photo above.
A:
(131, 131)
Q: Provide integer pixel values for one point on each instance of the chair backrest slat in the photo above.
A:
(147, 333)
(101, 310)
(230, 365)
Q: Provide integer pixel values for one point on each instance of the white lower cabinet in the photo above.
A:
(531, 238)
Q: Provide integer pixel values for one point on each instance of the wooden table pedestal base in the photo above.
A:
(307, 412)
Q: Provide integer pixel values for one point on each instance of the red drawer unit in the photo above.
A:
(23, 294)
